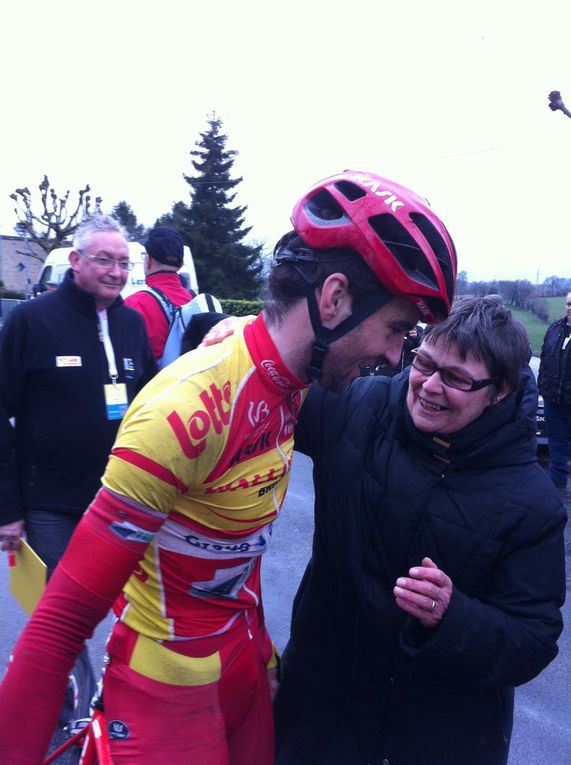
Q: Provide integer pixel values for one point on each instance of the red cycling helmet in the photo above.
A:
(404, 243)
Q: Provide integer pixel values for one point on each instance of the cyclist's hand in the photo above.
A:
(10, 535)
(222, 330)
(273, 681)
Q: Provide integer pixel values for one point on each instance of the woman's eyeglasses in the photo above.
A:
(451, 379)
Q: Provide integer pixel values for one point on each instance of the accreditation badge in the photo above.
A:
(116, 400)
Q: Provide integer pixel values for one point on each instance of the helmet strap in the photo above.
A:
(325, 336)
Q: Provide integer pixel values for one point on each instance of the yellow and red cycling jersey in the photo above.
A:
(204, 452)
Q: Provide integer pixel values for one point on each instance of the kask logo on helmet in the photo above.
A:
(375, 187)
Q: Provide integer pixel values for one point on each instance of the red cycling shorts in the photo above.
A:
(203, 701)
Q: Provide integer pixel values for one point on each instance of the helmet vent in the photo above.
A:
(323, 207)
(438, 245)
(404, 249)
(350, 190)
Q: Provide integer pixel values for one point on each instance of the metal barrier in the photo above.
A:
(7, 305)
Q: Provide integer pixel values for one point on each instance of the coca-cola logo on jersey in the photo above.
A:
(269, 366)
(215, 415)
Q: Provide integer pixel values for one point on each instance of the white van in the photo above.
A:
(57, 263)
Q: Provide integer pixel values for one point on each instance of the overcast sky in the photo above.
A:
(449, 98)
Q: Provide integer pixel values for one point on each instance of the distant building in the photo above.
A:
(18, 269)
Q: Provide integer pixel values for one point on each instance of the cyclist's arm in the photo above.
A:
(139, 490)
(90, 576)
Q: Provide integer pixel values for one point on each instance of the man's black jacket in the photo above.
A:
(52, 371)
(553, 362)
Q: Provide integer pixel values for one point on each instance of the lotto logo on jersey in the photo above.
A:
(215, 416)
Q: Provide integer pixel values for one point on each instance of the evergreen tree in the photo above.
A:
(212, 227)
(127, 218)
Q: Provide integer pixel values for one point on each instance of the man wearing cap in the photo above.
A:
(165, 252)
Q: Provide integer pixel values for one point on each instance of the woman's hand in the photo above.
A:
(222, 330)
(425, 593)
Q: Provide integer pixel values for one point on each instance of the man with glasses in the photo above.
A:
(70, 364)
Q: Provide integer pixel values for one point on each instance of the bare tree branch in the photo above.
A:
(556, 103)
(54, 224)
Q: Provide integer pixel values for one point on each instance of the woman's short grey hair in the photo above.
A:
(487, 330)
(93, 225)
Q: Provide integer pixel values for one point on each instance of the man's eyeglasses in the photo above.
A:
(108, 263)
(448, 377)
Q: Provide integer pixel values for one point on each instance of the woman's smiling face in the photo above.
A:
(439, 408)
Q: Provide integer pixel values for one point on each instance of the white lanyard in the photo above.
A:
(108, 345)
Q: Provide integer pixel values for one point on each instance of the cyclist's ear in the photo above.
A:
(334, 300)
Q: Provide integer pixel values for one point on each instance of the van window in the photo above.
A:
(45, 278)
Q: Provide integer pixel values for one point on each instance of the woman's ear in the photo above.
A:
(498, 396)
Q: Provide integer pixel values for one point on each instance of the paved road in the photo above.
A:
(543, 707)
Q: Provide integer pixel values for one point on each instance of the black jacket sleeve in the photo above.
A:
(324, 414)
(511, 635)
(12, 382)
(198, 327)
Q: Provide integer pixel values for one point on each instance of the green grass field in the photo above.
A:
(535, 328)
(555, 307)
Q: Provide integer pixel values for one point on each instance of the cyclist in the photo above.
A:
(196, 478)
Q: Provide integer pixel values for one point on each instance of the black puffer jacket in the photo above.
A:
(554, 363)
(365, 683)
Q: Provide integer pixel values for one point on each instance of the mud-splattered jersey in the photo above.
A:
(206, 447)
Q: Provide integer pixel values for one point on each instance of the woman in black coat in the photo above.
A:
(437, 573)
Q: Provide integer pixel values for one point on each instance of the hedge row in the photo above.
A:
(242, 307)
(233, 307)
(11, 295)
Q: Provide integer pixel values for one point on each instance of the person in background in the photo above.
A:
(196, 478)
(438, 569)
(70, 365)
(554, 382)
(411, 341)
(164, 258)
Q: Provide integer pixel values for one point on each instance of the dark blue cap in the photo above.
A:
(165, 245)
